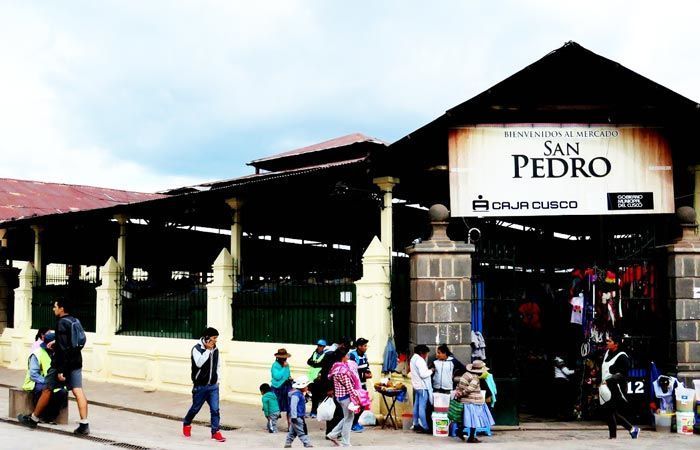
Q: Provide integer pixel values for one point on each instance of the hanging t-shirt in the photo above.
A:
(577, 309)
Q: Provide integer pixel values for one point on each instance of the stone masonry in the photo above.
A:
(440, 271)
(684, 298)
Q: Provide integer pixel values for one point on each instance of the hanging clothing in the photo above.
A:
(478, 345)
(668, 383)
(577, 303)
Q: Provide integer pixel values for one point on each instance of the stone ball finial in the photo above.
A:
(686, 215)
(439, 213)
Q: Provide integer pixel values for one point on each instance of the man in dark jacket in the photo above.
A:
(66, 369)
(206, 370)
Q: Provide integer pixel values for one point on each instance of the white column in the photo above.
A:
(23, 317)
(373, 316)
(38, 267)
(386, 184)
(220, 296)
(236, 236)
(121, 241)
(106, 317)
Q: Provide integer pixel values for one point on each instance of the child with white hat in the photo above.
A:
(297, 413)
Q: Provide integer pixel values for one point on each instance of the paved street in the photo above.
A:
(125, 428)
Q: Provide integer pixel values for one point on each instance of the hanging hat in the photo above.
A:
(301, 382)
(477, 366)
(282, 353)
(321, 342)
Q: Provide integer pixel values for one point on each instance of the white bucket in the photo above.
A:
(685, 399)
(685, 422)
(662, 422)
(441, 425)
(441, 402)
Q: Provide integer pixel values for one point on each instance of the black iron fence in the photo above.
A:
(75, 283)
(294, 312)
(175, 308)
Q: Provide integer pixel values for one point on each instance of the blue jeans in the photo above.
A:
(201, 394)
(420, 402)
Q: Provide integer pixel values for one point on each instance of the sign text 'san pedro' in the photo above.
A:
(554, 170)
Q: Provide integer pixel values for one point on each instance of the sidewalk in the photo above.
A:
(128, 417)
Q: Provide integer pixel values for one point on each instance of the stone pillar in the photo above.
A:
(121, 240)
(220, 296)
(236, 236)
(441, 289)
(38, 264)
(106, 317)
(684, 299)
(373, 316)
(696, 198)
(23, 317)
(386, 184)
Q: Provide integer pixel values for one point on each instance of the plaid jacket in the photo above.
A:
(342, 383)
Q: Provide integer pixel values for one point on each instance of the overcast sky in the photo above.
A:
(146, 95)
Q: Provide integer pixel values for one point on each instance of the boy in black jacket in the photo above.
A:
(206, 368)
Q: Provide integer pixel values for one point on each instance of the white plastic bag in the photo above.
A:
(325, 410)
(367, 418)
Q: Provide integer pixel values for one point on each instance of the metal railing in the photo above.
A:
(172, 309)
(294, 312)
(78, 288)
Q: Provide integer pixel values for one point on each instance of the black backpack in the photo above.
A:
(77, 333)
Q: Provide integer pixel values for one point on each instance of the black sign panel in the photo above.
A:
(630, 200)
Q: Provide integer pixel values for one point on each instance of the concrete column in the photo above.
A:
(441, 289)
(236, 236)
(220, 296)
(696, 198)
(106, 317)
(386, 184)
(373, 316)
(23, 317)
(121, 241)
(38, 264)
(684, 298)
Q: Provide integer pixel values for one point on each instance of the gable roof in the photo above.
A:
(569, 85)
(24, 198)
(333, 150)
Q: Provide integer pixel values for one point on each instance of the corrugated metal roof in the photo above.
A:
(342, 141)
(261, 177)
(23, 198)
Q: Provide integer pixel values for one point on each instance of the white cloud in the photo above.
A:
(139, 94)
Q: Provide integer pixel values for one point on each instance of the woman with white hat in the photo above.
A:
(476, 414)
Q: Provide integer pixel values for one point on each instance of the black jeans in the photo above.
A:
(612, 415)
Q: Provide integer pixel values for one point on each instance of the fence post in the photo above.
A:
(373, 316)
(23, 316)
(105, 316)
(220, 296)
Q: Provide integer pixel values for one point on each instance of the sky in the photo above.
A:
(152, 95)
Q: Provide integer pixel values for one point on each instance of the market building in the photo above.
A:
(562, 182)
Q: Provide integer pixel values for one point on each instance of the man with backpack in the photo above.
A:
(66, 367)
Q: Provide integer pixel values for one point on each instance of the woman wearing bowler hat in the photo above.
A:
(281, 380)
(476, 414)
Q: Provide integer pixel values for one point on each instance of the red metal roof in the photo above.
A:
(342, 141)
(22, 198)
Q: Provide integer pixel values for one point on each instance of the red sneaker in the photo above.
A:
(218, 437)
(187, 430)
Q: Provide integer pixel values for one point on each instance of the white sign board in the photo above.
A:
(534, 170)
